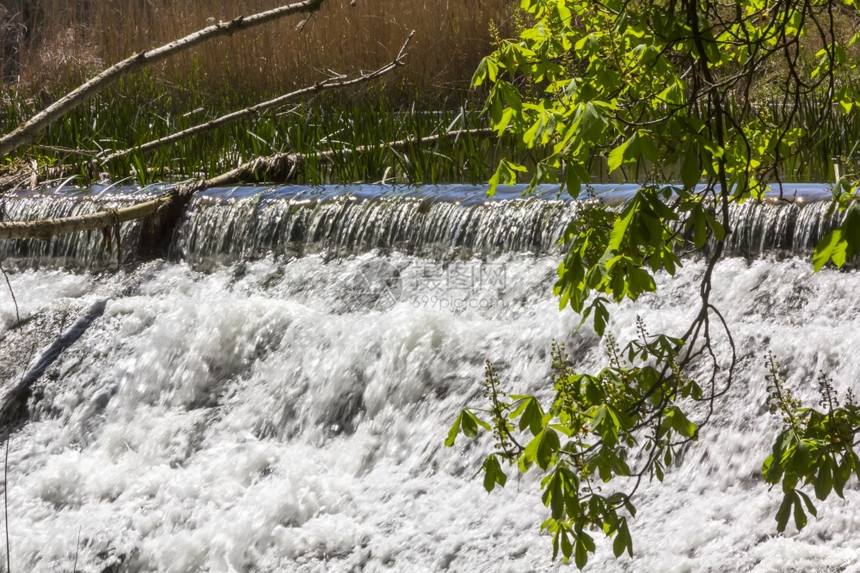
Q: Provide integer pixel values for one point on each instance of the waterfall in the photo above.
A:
(76, 250)
(231, 225)
(275, 394)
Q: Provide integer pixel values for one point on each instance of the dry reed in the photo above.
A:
(68, 39)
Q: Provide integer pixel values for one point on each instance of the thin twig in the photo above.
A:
(14, 300)
(77, 549)
(6, 502)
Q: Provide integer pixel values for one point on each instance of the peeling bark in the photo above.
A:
(164, 211)
(26, 132)
(103, 219)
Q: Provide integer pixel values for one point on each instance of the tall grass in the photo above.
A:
(57, 43)
(137, 112)
(830, 136)
(140, 110)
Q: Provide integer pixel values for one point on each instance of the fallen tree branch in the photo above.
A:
(331, 83)
(281, 167)
(44, 228)
(478, 131)
(92, 167)
(26, 132)
(13, 402)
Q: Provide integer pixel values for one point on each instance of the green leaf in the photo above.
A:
(511, 95)
(599, 416)
(506, 174)
(601, 316)
(808, 502)
(639, 281)
(592, 124)
(494, 181)
(469, 424)
(606, 422)
(617, 155)
(497, 111)
(784, 512)
(479, 421)
(851, 231)
(622, 540)
(480, 73)
(798, 458)
(556, 536)
(566, 546)
(647, 148)
(556, 496)
(493, 473)
(455, 429)
(682, 425)
(631, 509)
(716, 227)
(572, 181)
(799, 515)
(841, 474)
(832, 246)
(530, 453)
(549, 444)
(619, 228)
(581, 557)
(699, 223)
(824, 480)
(770, 470)
(532, 416)
(542, 448)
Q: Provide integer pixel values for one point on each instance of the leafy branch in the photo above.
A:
(671, 87)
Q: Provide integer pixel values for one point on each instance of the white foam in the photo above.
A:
(260, 418)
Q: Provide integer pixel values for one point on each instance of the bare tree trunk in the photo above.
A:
(330, 83)
(280, 167)
(32, 173)
(26, 132)
(103, 219)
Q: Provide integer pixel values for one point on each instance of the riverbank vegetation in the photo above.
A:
(429, 96)
(52, 46)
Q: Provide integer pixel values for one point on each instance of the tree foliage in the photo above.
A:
(675, 88)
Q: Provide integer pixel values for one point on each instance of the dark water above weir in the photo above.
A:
(274, 396)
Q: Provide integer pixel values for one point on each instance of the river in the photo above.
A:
(274, 394)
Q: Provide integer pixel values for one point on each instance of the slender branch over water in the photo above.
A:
(27, 132)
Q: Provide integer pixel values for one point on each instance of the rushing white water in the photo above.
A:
(250, 419)
(288, 414)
